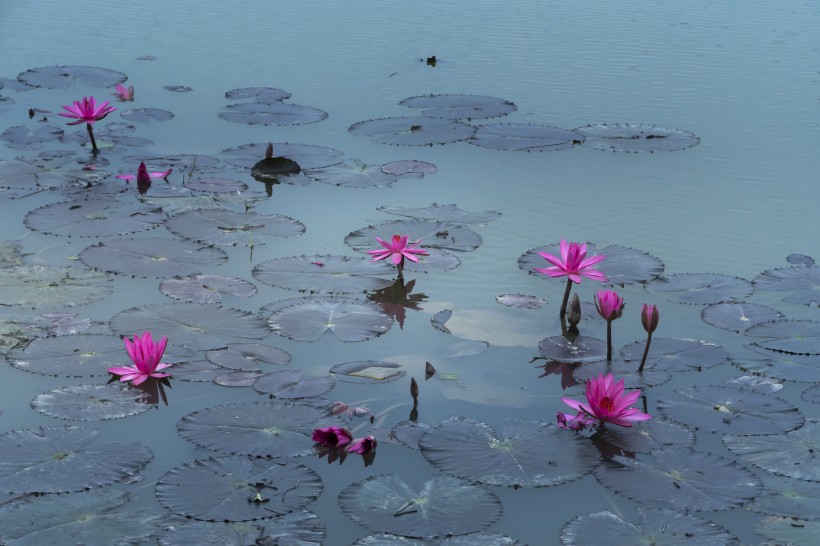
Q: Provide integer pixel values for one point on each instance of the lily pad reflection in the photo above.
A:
(91, 402)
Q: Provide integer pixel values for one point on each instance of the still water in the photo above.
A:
(743, 78)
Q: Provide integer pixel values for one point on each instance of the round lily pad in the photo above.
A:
(23, 137)
(804, 282)
(445, 506)
(409, 168)
(226, 488)
(260, 94)
(151, 256)
(793, 454)
(622, 265)
(63, 77)
(443, 213)
(306, 319)
(291, 384)
(408, 433)
(367, 371)
(144, 115)
(636, 138)
(248, 356)
(216, 185)
(226, 227)
(528, 454)
(272, 113)
(93, 218)
(738, 316)
(324, 273)
(198, 371)
(206, 288)
(701, 288)
(788, 497)
(436, 235)
(307, 156)
(178, 88)
(651, 376)
(580, 349)
(800, 259)
(91, 402)
(790, 367)
(82, 355)
(469, 107)
(58, 287)
(525, 137)
(354, 174)
(412, 131)
(676, 355)
(239, 378)
(799, 337)
(648, 436)
(300, 528)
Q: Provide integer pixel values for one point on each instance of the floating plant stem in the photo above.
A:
(610, 306)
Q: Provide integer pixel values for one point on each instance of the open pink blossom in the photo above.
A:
(125, 94)
(573, 263)
(362, 446)
(87, 111)
(146, 356)
(143, 175)
(332, 436)
(397, 249)
(607, 402)
(609, 304)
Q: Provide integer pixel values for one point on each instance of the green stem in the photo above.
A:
(645, 351)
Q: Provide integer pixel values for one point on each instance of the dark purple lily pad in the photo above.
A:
(291, 384)
(224, 488)
(306, 319)
(800, 259)
(648, 436)
(93, 218)
(443, 213)
(701, 288)
(307, 156)
(63, 77)
(791, 367)
(151, 257)
(229, 228)
(353, 174)
(198, 327)
(52, 460)
(206, 288)
(738, 316)
(272, 113)
(623, 265)
(91, 402)
(367, 371)
(454, 107)
(445, 506)
(438, 235)
(216, 185)
(582, 349)
(301, 528)
(22, 137)
(656, 527)
(324, 274)
(521, 300)
(525, 137)
(793, 454)
(799, 337)
(248, 356)
(260, 94)
(731, 410)
(628, 371)
(803, 281)
(412, 131)
(636, 138)
(676, 355)
(528, 454)
(683, 478)
(40, 286)
(145, 115)
(411, 168)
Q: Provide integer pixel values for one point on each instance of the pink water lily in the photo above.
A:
(143, 175)
(146, 356)
(607, 402)
(87, 111)
(573, 263)
(397, 249)
(362, 446)
(610, 306)
(332, 436)
(125, 94)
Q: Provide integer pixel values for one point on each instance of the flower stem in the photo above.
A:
(645, 351)
(400, 268)
(94, 149)
(566, 299)
(609, 340)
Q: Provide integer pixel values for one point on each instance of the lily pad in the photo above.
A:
(436, 235)
(803, 281)
(226, 227)
(779, 365)
(738, 316)
(93, 218)
(82, 355)
(525, 137)
(260, 94)
(38, 286)
(306, 319)
(239, 378)
(800, 259)
(301, 528)
(412, 131)
(151, 256)
(290, 384)
(446, 506)
(790, 531)
(22, 137)
(636, 138)
(651, 376)
(206, 288)
(198, 327)
(793, 454)
(91, 402)
(216, 185)
(683, 478)
(324, 273)
(307, 156)
(648, 436)
(145, 115)
(443, 213)
(225, 488)
(409, 433)
(63, 77)
(798, 337)
(660, 527)
(623, 265)
(198, 370)
(676, 355)
(788, 497)
(731, 410)
(367, 371)
(52, 460)
(581, 349)
(473, 539)
(701, 288)
(354, 174)
(110, 135)
(261, 429)
(178, 88)
(248, 356)
(272, 113)
(409, 168)
(467, 107)
(528, 454)
(755, 383)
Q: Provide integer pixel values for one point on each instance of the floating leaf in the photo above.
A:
(701, 288)
(324, 273)
(473, 539)
(521, 300)
(812, 394)
(445, 506)
(528, 454)
(738, 316)
(307, 156)
(151, 256)
(648, 436)
(651, 376)
(804, 281)
(262, 429)
(731, 410)
(226, 227)
(779, 365)
(290, 384)
(145, 115)
(438, 320)
(800, 259)
(198, 370)
(464, 347)
(686, 479)
(110, 135)
(622, 265)
(216, 185)
(306, 319)
(22, 137)
(790, 531)
(525, 137)
(63, 77)
(412, 131)
(788, 497)
(178, 88)
(38, 286)
(676, 355)
(15, 174)
(93, 218)
(467, 107)
(52, 460)
(272, 113)
(239, 378)
(206, 288)
(248, 356)
(793, 454)
(412, 168)
(763, 385)
(188, 324)
(367, 371)
(580, 349)
(438, 235)
(408, 433)
(82, 355)
(799, 337)
(633, 137)
(224, 488)
(354, 174)
(261, 94)
(656, 527)
(443, 213)
(300, 528)
(91, 402)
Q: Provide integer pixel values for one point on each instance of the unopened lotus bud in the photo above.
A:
(649, 317)
(414, 390)
(574, 315)
(269, 151)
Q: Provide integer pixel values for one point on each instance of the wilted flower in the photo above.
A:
(332, 436)
(397, 249)
(649, 317)
(569, 421)
(146, 356)
(362, 446)
(125, 94)
(607, 402)
(87, 111)
(573, 264)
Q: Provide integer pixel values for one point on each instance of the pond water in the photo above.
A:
(738, 81)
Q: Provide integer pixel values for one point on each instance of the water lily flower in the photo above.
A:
(87, 112)
(397, 249)
(649, 319)
(607, 402)
(573, 264)
(362, 446)
(332, 436)
(568, 421)
(143, 175)
(610, 306)
(146, 356)
(124, 94)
